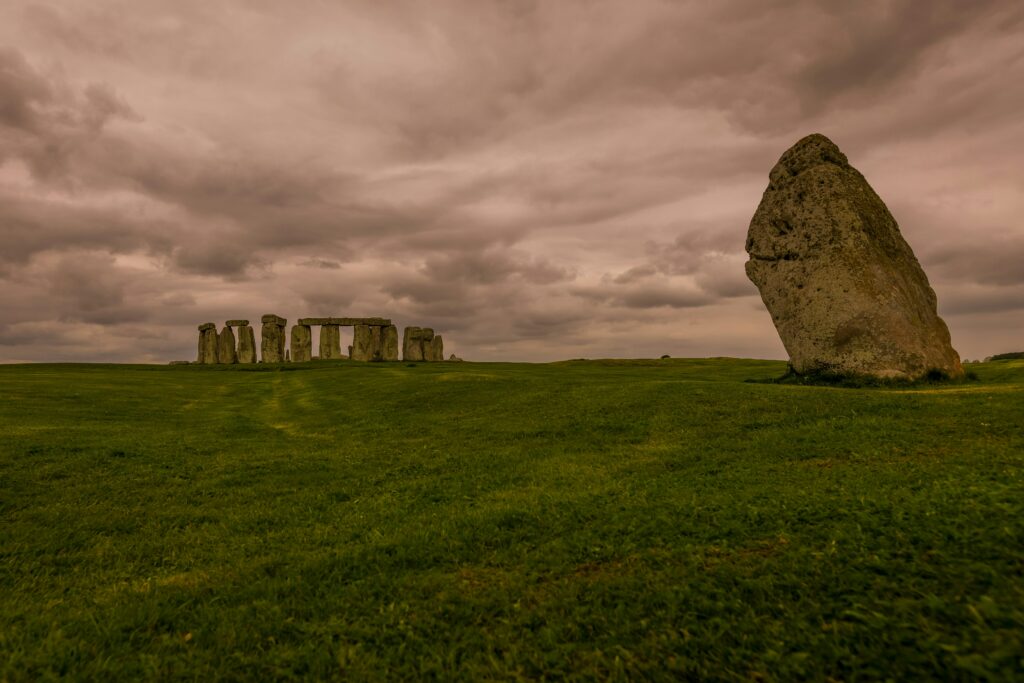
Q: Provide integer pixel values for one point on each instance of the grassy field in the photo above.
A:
(616, 520)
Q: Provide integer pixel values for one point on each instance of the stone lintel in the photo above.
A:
(236, 323)
(207, 326)
(346, 322)
(276, 319)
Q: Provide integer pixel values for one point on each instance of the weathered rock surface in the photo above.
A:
(246, 344)
(389, 343)
(843, 287)
(412, 344)
(454, 359)
(226, 347)
(237, 323)
(272, 339)
(207, 352)
(330, 342)
(363, 346)
(433, 350)
(421, 344)
(301, 343)
(345, 322)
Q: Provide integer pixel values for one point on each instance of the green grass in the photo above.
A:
(615, 520)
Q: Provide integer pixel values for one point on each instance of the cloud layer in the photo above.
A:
(537, 180)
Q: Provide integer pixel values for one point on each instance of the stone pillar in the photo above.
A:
(426, 336)
(272, 339)
(389, 343)
(246, 344)
(302, 343)
(330, 342)
(362, 343)
(207, 344)
(412, 348)
(377, 340)
(226, 346)
(433, 350)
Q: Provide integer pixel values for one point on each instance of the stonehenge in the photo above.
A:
(330, 342)
(373, 339)
(389, 343)
(433, 351)
(246, 340)
(207, 344)
(226, 350)
(302, 343)
(272, 339)
(362, 342)
(412, 344)
(421, 344)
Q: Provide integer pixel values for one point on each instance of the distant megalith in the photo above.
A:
(301, 343)
(207, 353)
(389, 343)
(844, 289)
(433, 350)
(364, 342)
(226, 352)
(246, 343)
(330, 342)
(421, 344)
(272, 339)
(412, 344)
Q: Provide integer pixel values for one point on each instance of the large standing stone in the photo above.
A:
(246, 344)
(226, 346)
(844, 289)
(412, 345)
(272, 339)
(330, 342)
(302, 343)
(362, 343)
(433, 350)
(377, 338)
(389, 343)
(207, 344)
(426, 336)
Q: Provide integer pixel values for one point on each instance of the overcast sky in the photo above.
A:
(535, 180)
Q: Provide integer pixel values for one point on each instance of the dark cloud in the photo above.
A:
(877, 44)
(979, 300)
(537, 180)
(644, 292)
(999, 260)
(325, 264)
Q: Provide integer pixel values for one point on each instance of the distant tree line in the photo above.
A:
(1006, 356)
